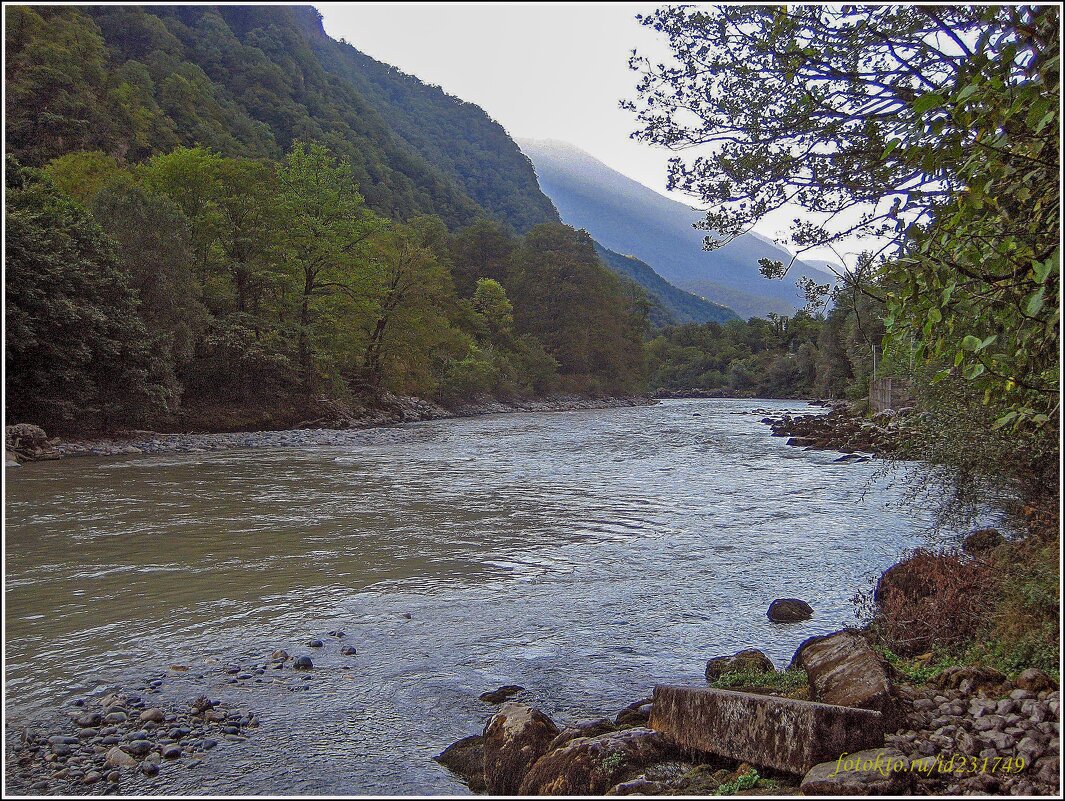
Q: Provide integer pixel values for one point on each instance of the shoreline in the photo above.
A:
(340, 429)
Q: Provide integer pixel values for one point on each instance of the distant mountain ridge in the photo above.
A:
(628, 217)
(668, 304)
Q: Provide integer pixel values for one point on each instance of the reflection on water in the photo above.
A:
(584, 555)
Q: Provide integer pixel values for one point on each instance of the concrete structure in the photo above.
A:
(763, 730)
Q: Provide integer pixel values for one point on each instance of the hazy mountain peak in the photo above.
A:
(628, 217)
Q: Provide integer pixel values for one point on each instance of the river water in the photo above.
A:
(584, 555)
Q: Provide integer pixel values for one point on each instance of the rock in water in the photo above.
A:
(762, 730)
(878, 771)
(515, 737)
(750, 659)
(981, 541)
(789, 610)
(466, 759)
(844, 670)
(592, 765)
(502, 694)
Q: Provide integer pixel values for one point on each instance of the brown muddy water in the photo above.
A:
(585, 555)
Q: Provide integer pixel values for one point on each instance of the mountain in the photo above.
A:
(626, 216)
(668, 305)
(248, 81)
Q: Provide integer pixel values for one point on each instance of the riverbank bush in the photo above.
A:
(805, 355)
(938, 610)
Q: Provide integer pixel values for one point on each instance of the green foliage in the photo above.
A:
(934, 129)
(1024, 626)
(744, 781)
(154, 239)
(75, 344)
(981, 280)
(82, 174)
(784, 681)
(778, 357)
(131, 82)
(253, 281)
(566, 299)
(922, 669)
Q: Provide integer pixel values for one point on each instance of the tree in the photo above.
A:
(153, 240)
(406, 290)
(82, 174)
(496, 312)
(328, 229)
(75, 346)
(934, 128)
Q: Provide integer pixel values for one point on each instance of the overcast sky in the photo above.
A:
(542, 71)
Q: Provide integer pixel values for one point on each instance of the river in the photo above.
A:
(584, 555)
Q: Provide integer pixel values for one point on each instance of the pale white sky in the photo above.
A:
(543, 71)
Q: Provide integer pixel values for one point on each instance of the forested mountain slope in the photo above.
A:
(248, 81)
(625, 216)
(456, 137)
(668, 305)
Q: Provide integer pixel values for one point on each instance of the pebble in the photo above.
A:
(135, 739)
(303, 663)
(315, 644)
(348, 650)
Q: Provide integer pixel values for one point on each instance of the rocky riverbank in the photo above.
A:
(139, 737)
(841, 429)
(971, 731)
(337, 424)
(122, 740)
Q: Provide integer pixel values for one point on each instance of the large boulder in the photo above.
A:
(465, 758)
(789, 610)
(781, 733)
(515, 737)
(586, 728)
(25, 436)
(844, 670)
(635, 714)
(748, 660)
(877, 771)
(594, 765)
(1036, 681)
(29, 442)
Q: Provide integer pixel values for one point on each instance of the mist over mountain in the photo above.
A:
(628, 217)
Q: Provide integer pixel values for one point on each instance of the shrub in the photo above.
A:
(932, 600)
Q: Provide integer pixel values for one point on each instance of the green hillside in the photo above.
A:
(249, 81)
